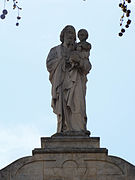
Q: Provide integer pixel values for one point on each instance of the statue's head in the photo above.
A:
(68, 34)
(82, 34)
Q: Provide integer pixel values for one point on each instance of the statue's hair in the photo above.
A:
(85, 31)
(63, 32)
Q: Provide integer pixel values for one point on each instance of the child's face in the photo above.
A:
(82, 36)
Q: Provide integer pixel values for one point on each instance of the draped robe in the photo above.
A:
(68, 89)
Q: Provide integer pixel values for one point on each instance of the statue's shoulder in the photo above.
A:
(55, 52)
(55, 48)
(89, 45)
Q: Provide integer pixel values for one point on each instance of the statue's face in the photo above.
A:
(82, 35)
(69, 36)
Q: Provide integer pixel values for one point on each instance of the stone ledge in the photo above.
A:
(69, 150)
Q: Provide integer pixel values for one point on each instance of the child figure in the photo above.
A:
(83, 47)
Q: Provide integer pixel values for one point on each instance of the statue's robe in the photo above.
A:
(68, 90)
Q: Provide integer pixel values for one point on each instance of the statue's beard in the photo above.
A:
(71, 44)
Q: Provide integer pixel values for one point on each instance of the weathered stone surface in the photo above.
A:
(68, 65)
(93, 164)
(69, 142)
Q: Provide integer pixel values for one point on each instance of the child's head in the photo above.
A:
(82, 34)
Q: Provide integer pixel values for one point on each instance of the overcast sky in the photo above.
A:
(25, 91)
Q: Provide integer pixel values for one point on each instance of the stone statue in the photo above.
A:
(68, 65)
(83, 46)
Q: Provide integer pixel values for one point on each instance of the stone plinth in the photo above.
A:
(69, 142)
(69, 158)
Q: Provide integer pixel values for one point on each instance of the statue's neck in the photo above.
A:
(69, 46)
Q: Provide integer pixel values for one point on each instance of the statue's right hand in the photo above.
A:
(75, 58)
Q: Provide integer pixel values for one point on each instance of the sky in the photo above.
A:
(25, 91)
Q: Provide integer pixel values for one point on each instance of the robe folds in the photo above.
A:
(68, 89)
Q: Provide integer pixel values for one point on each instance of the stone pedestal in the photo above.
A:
(69, 143)
(69, 158)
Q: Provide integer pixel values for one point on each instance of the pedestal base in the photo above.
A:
(69, 144)
(69, 157)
